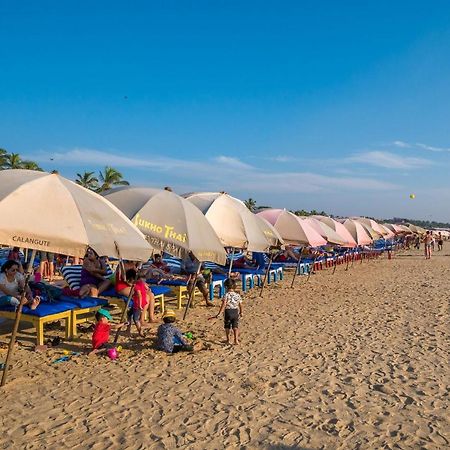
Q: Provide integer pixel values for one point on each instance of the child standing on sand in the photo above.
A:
(140, 303)
(232, 308)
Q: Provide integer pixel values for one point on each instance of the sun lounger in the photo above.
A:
(72, 275)
(44, 313)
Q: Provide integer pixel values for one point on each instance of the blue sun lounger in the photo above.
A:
(44, 313)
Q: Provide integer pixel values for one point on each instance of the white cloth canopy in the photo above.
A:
(232, 221)
(170, 222)
(48, 212)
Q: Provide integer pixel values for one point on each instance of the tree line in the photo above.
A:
(251, 204)
(100, 182)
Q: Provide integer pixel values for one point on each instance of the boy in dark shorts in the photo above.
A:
(232, 307)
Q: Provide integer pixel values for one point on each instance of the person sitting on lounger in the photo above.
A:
(93, 281)
(12, 285)
(158, 270)
(288, 254)
(190, 267)
(123, 285)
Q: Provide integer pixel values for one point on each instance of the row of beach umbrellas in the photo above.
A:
(47, 212)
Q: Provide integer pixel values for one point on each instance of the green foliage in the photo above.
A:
(14, 161)
(88, 180)
(313, 212)
(427, 224)
(109, 178)
(250, 204)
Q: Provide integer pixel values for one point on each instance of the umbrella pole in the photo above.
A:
(348, 260)
(130, 295)
(266, 275)
(311, 268)
(191, 292)
(231, 264)
(335, 264)
(17, 321)
(296, 270)
(124, 312)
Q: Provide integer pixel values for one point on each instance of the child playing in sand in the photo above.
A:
(232, 307)
(140, 294)
(169, 337)
(100, 336)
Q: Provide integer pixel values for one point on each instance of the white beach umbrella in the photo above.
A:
(339, 228)
(358, 232)
(373, 227)
(48, 212)
(270, 232)
(170, 222)
(232, 221)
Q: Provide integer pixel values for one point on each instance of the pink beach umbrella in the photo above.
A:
(358, 232)
(340, 230)
(292, 229)
(325, 231)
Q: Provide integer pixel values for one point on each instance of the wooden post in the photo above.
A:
(312, 269)
(17, 321)
(192, 290)
(130, 295)
(296, 270)
(231, 264)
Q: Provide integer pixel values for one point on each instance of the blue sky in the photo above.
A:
(336, 106)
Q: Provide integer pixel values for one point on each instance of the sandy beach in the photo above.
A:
(354, 360)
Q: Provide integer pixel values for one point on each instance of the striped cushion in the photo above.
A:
(234, 256)
(72, 274)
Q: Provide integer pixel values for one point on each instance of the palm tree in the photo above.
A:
(87, 180)
(30, 165)
(250, 204)
(110, 178)
(3, 155)
(12, 161)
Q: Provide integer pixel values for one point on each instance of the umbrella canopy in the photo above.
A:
(170, 222)
(292, 230)
(340, 230)
(394, 228)
(270, 232)
(232, 221)
(372, 224)
(416, 229)
(389, 234)
(358, 232)
(404, 228)
(47, 212)
(324, 230)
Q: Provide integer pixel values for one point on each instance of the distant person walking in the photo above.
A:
(417, 243)
(440, 242)
(427, 240)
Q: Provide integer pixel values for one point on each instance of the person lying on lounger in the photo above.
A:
(12, 285)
